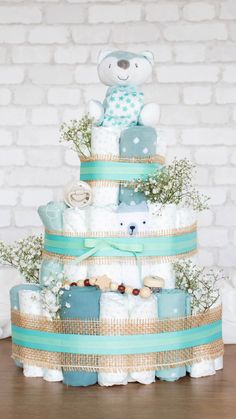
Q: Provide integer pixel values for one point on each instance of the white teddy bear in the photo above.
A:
(133, 219)
(123, 106)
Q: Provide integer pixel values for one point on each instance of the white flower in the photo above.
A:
(50, 298)
(67, 305)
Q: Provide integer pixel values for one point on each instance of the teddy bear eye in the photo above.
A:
(144, 222)
(109, 66)
(136, 65)
(121, 224)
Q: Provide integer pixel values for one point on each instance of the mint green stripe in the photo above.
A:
(110, 170)
(116, 345)
(152, 246)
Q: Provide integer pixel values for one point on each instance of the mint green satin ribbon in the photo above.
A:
(113, 170)
(96, 246)
(116, 345)
(160, 246)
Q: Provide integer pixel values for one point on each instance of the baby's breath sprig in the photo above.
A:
(201, 284)
(25, 255)
(79, 133)
(173, 184)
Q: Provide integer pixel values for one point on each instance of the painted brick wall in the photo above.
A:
(48, 53)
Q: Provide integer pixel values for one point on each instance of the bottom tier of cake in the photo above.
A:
(108, 338)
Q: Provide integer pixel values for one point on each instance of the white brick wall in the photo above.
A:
(48, 51)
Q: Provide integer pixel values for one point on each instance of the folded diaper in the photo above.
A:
(170, 304)
(139, 142)
(82, 303)
(52, 215)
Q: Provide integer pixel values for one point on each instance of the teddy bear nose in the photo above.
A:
(123, 64)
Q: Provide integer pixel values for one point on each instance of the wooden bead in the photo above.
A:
(136, 291)
(121, 289)
(128, 290)
(80, 283)
(92, 281)
(145, 292)
(86, 282)
(114, 286)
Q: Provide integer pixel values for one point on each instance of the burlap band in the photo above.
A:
(114, 363)
(153, 233)
(129, 260)
(157, 158)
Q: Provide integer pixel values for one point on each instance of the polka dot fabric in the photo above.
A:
(138, 141)
(122, 106)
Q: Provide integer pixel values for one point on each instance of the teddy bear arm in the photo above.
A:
(96, 111)
(149, 115)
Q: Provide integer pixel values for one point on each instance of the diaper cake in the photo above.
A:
(111, 306)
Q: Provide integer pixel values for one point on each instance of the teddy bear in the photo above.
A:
(133, 219)
(123, 106)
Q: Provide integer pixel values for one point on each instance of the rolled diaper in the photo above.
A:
(170, 304)
(131, 275)
(14, 300)
(162, 217)
(163, 270)
(103, 195)
(219, 363)
(105, 141)
(102, 219)
(185, 217)
(161, 144)
(77, 194)
(52, 215)
(140, 308)
(80, 303)
(113, 306)
(113, 271)
(30, 303)
(202, 369)
(136, 142)
(73, 272)
(50, 374)
(48, 268)
(14, 293)
(75, 220)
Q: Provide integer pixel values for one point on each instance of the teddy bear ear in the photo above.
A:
(103, 54)
(149, 56)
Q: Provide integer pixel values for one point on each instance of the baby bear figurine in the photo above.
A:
(123, 106)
